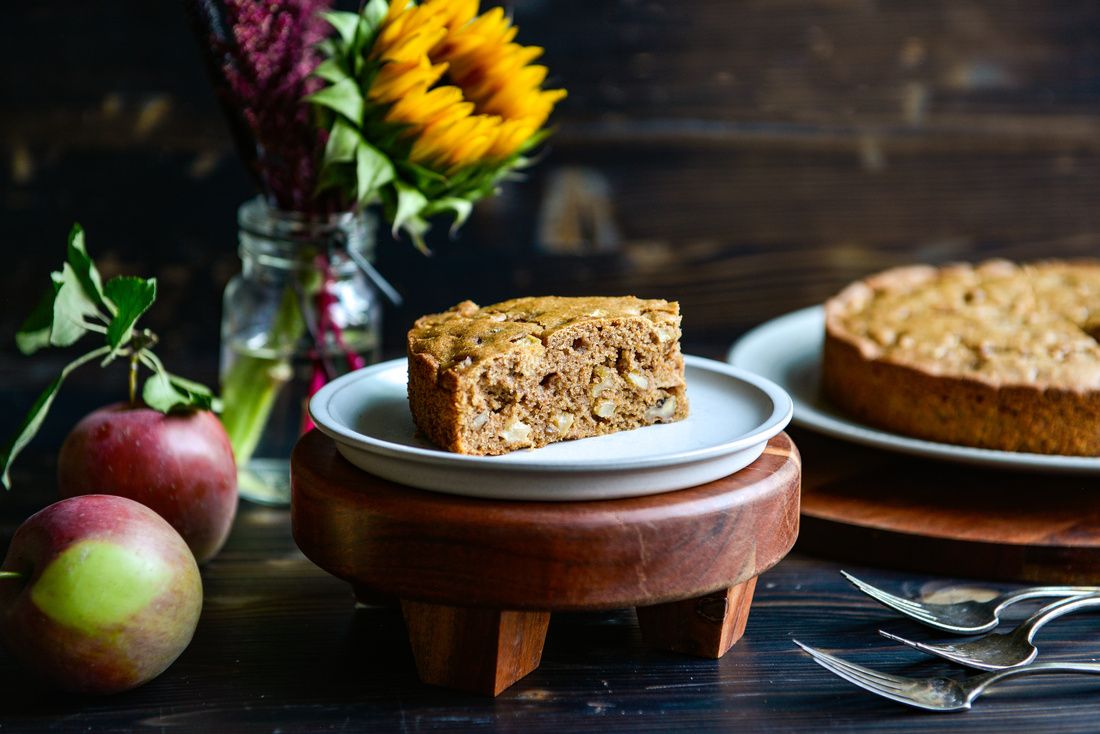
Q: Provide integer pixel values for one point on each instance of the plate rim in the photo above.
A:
(781, 413)
(843, 427)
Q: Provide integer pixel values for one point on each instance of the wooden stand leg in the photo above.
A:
(477, 650)
(706, 626)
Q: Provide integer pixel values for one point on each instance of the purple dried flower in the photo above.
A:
(262, 53)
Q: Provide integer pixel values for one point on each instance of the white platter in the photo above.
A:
(733, 414)
(787, 350)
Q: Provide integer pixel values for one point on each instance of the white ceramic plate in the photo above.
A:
(787, 350)
(733, 414)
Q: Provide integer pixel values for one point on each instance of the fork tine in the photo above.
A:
(867, 685)
(902, 640)
(900, 605)
(883, 596)
(948, 652)
(878, 678)
(909, 610)
(853, 675)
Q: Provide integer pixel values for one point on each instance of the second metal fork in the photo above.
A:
(938, 693)
(966, 617)
(1007, 650)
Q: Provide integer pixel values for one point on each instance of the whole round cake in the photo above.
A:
(996, 355)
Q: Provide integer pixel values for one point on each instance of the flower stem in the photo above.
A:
(252, 382)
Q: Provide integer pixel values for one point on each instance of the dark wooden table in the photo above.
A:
(281, 647)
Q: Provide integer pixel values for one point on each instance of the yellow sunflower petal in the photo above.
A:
(396, 79)
(427, 106)
(492, 102)
(456, 13)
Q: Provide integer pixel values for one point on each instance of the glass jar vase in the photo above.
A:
(300, 313)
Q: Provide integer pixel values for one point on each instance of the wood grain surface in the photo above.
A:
(432, 547)
(938, 517)
(281, 646)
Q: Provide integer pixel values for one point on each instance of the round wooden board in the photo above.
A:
(877, 508)
(430, 547)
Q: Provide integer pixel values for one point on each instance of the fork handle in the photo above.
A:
(1043, 592)
(1052, 611)
(985, 680)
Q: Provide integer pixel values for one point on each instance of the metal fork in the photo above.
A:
(934, 694)
(966, 617)
(1008, 650)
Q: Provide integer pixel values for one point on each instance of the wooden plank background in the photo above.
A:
(746, 157)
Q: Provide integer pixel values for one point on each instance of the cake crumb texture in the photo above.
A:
(531, 371)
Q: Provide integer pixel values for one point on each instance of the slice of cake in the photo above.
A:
(531, 371)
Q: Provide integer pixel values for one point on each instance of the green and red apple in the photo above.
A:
(98, 594)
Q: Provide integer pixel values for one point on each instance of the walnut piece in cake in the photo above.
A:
(532, 371)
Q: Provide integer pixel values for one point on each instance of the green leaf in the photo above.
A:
(29, 427)
(201, 396)
(422, 176)
(165, 392)
(35, 331)
(71, 307)
(373, 170)
(337, 176)
(345, 23)
(331, 71)
(159, 394)
(33, 421)
(131, 297)
(410, 204)
(84, 268)
(342, 143)
(460, 207)
(373, 13)
(343, 98)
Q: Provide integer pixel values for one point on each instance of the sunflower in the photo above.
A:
(431, 104)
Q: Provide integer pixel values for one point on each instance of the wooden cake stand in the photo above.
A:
(477, 579)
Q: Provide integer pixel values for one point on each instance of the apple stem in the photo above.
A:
(10, 575)
(133, 377)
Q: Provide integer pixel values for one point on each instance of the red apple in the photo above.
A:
(179, 464)
(98, 594)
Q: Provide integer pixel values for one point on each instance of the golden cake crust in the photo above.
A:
(996, 355)
(530, 371)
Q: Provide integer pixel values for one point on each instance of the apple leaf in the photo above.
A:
(159, 394)
(35, 331)
(131, 297)
(167, 392)
(71, 307)
(33, 421)
(201, 396)
(85, 269)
